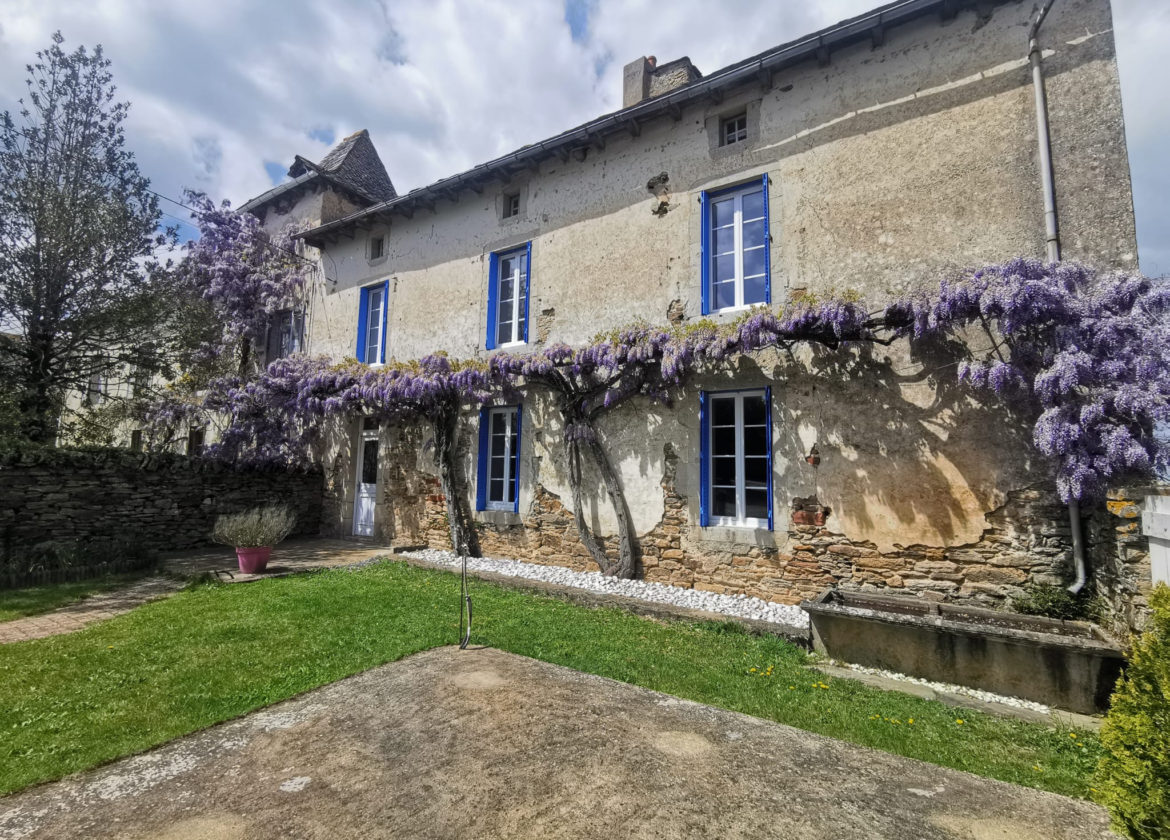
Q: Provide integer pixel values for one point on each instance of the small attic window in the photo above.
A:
(733, 130)
(377, 247)
(511, 205)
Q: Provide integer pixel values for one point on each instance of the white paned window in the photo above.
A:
(503, 458)
(734, 129)
(375, 323)
(738, 241)
(511, 289)
(740, 460)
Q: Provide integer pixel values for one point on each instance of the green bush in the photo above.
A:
(1133, 777)
(1058, 602)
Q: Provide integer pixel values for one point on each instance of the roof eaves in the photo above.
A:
(276, 192)
(758, 66)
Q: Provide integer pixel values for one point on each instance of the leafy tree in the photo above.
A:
(79, 290)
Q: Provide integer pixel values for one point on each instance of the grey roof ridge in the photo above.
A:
(891, 14)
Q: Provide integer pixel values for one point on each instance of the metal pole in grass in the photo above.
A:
(464, 606)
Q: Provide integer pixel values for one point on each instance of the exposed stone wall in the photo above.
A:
(167, 501)
(1120, 559)
(1027, 543)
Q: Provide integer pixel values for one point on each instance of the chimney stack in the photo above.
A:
(643, 79)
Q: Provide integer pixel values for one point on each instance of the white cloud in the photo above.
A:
(220, 88)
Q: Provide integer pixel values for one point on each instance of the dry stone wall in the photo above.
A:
(165, 501)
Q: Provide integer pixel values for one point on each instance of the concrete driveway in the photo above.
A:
(484, 744)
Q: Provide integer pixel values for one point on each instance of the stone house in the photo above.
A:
(873, 156)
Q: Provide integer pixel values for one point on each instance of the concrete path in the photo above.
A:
(73, 617)
(484, 744)
(291, 557)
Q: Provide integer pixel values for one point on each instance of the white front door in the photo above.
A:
(367, 485)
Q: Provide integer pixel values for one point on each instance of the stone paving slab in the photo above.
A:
(485, 744)
(73, 617)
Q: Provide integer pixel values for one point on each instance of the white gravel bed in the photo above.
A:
(978, 694)
(742, 606)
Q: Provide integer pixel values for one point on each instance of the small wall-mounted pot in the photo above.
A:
(813, 457)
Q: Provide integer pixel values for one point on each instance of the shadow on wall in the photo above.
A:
(336, 448)
(909, 456)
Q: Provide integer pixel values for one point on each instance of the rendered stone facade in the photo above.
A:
(890, 164)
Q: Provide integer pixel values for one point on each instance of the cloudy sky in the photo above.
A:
(225, 92)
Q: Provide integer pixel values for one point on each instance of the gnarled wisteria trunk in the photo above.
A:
(585, 437)
(464, 540)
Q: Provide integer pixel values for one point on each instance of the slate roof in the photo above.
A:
(353, 164)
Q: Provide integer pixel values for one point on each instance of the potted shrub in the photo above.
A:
(253, 533)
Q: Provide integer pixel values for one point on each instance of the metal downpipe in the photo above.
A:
(1052, 246)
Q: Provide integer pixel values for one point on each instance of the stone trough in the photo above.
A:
(1070, 665)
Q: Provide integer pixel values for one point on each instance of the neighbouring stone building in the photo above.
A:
(874, 156)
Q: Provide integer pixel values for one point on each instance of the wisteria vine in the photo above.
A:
(1081, 353)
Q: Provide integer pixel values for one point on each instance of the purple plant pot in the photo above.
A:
(253, 561)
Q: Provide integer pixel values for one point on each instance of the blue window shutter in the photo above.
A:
(768, 414)
(767, 271)
(527, 287)
(481, 471)
(493, 286)
(363, 317)
(385, 318)
(704, 460)
(705, 248)
(516, 458)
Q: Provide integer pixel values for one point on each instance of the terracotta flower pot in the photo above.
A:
(253, 561)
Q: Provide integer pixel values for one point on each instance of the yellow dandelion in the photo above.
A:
(1072, 734)
(959, 721)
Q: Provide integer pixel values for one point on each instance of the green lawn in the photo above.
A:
(215, 652)
(18, 603)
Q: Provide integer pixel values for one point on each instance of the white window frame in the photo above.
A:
(733, 130)
(95, 389)
(520, 258)
(510, 413)
(380, 241)
(736, 196)
(739, 520)
(375, 318)
(511, 205)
